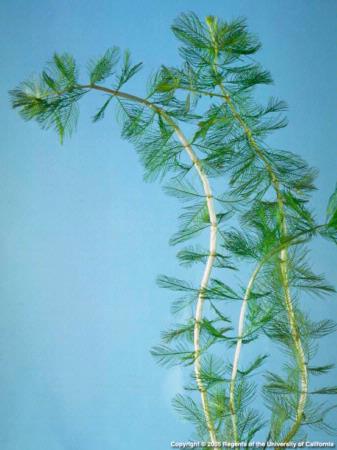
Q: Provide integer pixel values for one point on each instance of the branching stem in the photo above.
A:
(283, 256)
(212, 241)
(293, 241)
(283, 270)
(211, 54)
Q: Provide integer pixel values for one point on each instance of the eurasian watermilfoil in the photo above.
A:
(200, 121)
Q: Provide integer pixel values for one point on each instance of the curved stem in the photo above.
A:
(283, 270)
(238, 350)
(284, 273)
(212, 241)
(293, 241)
(283, 253)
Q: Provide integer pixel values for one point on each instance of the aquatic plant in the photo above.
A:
(199, 125)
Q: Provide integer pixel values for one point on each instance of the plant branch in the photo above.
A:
(283, 253)
(284, 272)
(293, 241)
(212, 241)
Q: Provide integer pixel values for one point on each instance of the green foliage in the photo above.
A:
(100, 113)
(102, 68)
(332, 210)
(231, 39)
(62, 70)
(51, 99)
(170, 357)
(218, 290)
(128, 70)
(257, 363)
(191, 255)
(191, 412)
(318, 370)
(194, 220)
(201, 119)
(174, 284)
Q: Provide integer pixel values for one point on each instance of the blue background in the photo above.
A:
(83, 237)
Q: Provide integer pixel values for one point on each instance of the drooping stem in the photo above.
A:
(212, 240)
(212, 25)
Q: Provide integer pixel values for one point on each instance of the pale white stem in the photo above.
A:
(204, 281)
(282, 250)
(212, 245)
(238, 349)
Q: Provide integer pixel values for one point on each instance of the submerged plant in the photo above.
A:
(200, 122)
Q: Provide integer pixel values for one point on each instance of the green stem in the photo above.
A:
(284, 273)
(283, 253)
